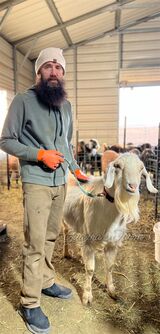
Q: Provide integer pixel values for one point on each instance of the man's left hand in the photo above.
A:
(81, 176)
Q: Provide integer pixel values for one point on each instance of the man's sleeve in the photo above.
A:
(73, 164)
(12, 131)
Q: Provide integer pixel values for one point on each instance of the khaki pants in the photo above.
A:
(43, 208)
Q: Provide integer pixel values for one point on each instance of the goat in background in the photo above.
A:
(88, 157)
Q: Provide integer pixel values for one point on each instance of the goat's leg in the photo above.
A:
(68, 253)
(66, 240)
(89, 261)
(17, 178)
(10, 176)
(110, 252)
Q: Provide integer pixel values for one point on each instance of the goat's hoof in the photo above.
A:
(113, 295)
(112, 292)
(87, 299)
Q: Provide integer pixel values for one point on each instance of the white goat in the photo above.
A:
(102, 219)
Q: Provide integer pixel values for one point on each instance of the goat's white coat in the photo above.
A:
(102, 223)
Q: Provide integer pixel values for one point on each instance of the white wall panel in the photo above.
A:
(96, 93)
(141, 50)
(98, 90)
(94, 109)
(140, 76)
(7, 74)
(24, 77)
(110, 83)
(6, 66)
(25, 73)
(97, 100)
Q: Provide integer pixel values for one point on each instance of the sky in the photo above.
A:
(140, 105)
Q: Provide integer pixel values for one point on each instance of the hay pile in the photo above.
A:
(136, 274)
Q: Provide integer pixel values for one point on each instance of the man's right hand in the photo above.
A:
(51, 158)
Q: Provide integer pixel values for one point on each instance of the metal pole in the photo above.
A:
(4, 18)
(157, 181)
(120, 59)
(125, 131)
(27, 55)
(75, 98)
(15, 69)
(76, 145)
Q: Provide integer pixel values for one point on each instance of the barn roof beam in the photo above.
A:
(138, 21)
(9, 3)
(15, 69)
(142, 5)
(118, 15)
(6, 14)
(94, 38)
(120, 43)
(140, 30)
(26, 56)
(73, 21)
(121, 30)
(57, 17)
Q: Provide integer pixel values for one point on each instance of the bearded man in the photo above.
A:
(38, 130)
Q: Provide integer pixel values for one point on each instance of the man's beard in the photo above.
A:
(52, 95)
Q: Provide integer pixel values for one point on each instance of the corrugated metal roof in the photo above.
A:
(35, 24)
(91, 27)
(54, 39)
(26, 19)
(70, 9)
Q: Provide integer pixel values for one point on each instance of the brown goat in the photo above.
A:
(107, 157)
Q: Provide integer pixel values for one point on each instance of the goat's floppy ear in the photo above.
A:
(149, 184)
(110, 174)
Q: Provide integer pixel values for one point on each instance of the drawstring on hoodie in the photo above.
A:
(56, 110)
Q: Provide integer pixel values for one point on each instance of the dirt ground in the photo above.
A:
(136, 276)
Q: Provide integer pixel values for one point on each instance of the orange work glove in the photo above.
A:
(81, 176)
(50, 158)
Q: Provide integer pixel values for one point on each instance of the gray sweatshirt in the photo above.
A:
(30, 126)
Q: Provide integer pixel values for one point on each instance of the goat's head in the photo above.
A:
(93, 143)
(124, 174)
(147, 154)
(127, 170)
(81, 146)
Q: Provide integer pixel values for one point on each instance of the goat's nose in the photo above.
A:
(132, 186)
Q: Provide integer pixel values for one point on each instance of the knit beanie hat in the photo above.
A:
(50, 54)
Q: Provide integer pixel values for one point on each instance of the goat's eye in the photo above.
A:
(117, 166)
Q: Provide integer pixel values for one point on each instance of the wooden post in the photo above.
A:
(8, 176)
